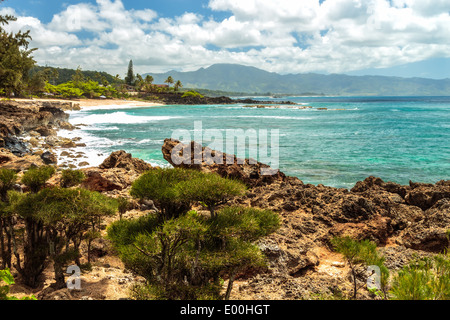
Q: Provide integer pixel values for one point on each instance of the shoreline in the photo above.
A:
(88, 103)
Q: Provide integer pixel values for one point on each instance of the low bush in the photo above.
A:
(71, 178)
(35, 178)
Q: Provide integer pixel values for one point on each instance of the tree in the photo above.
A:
(211, 190)
(185, 257)
(149, 79)
(181, 253)
(148, 83)
(159, 185)
(130, 78)
(15, 59)
(177, 85)
(169, 80)
(35, 178)
(38, 80)
(7, 180)
(56, 221)
(71, 178)
(139, 83)
(78, 77)
(359, 253)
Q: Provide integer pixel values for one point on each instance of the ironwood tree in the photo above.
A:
(15, 58)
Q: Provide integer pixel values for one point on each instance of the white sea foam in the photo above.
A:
(276, 117)
(118, 118)
(118, 107)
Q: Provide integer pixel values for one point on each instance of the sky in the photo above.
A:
(406, 38)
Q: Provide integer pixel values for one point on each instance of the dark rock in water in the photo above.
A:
(49, 158)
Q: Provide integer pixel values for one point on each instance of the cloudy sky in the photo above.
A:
(393, 37)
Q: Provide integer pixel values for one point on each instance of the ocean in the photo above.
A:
(334, 141)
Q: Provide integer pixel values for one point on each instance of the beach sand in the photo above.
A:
(86, 103)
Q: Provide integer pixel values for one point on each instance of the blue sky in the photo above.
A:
(408, 38)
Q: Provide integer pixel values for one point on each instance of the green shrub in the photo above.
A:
(123, 205)
(360, 253)
(8, 279)
(35, 178)
(211, 190)
(71, 178)
(159, 185)
(423, 279)
(174, 190)
(7, 180)
(193, 94)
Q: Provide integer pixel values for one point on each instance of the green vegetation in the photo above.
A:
(35, 178)
(56, 76)
(193, 94)
(159, 185)
(130, 78)
(15, 59)
(423, 279)
(185, 257)
(174, 190)
(71, 178)
(210, 190)
(8, 279)
(79, 87)
(7, 180)
(56, 220)
(183, 254)
(169, 80)
(361, 253)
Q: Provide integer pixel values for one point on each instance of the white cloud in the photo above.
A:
(287, 36)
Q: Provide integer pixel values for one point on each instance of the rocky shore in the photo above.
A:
(404, 220)
(178, 98)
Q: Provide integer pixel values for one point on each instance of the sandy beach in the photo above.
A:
(86, 103)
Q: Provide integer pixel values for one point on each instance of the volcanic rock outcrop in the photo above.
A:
(195, 156)
(117, 172)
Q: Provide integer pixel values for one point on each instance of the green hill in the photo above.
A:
(65, 75)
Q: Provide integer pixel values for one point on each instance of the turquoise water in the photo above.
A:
(396, 139)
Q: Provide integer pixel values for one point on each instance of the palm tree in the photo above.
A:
(149, 79)
(178, 85)
(169, 80)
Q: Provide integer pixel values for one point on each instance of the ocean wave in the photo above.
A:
(118, 107)
(119, 118)
(276, 117)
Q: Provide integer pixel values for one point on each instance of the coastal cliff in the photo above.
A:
(403, 220)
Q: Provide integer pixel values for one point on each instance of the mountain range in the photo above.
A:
(245, 79)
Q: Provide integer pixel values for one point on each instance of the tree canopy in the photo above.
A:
(15, 58)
